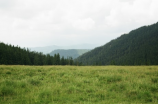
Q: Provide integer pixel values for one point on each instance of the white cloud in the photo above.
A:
(60, 22)
(84, 24)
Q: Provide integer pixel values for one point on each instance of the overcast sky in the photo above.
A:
(32, 23)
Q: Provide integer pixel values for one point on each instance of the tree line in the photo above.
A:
(14, 55)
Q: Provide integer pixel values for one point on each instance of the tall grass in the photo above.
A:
(78, 84)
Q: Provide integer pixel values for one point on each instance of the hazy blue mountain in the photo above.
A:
(48, 49)
(74, 53)
(138, 47)
(45, 50)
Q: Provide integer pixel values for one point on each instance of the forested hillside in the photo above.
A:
(14, 55)
(74, 53)
(138, 47)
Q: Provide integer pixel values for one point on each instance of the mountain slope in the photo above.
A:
(139, 47)
(74, 53)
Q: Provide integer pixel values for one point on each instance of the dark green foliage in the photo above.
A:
(11, 55)
(140, 95)
(138, 47)
(154, 80)
(9, 83)
(34, 82)
(7, 91)
(154, 88)
(100, 96)
(110, 79)
(114, 79)
(132, 95)
(8, 72)
(118, 87)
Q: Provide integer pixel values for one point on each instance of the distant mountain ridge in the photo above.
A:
(48, 49)
(74, 53)
(138, 47)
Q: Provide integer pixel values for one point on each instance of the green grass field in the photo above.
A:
(78, 84)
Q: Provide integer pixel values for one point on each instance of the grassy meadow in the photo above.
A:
(78, 84)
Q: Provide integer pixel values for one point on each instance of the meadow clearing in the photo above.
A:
(78, 84)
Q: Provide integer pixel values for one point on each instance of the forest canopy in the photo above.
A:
(14, 55)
